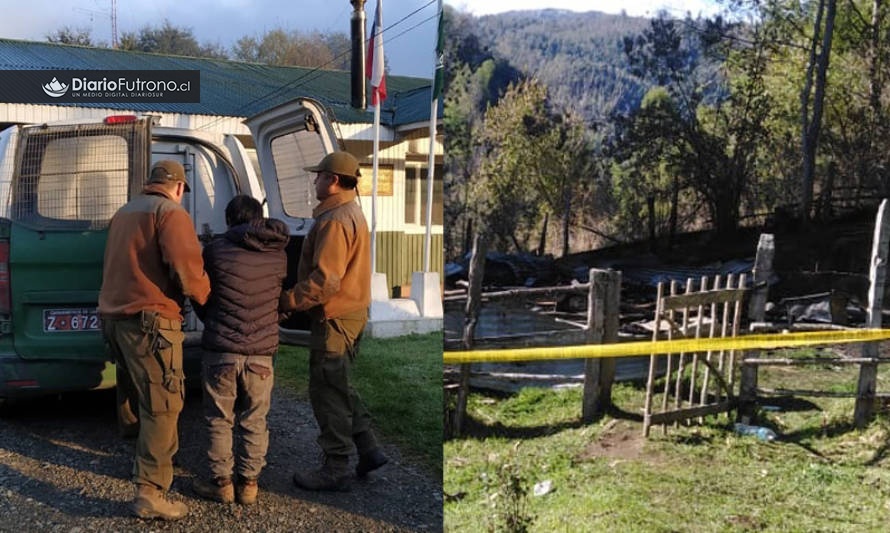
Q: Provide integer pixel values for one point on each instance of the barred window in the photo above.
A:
(76, 177)
(290, 153)
(83, 178)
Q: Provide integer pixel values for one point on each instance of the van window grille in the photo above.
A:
(291, 153)
(76, 177)
(83, 178)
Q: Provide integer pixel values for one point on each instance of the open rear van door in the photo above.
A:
(289, 137)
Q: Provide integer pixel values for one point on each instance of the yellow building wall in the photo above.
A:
(400, 254)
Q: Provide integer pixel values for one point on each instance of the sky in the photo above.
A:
(636, 8)
(410, 25)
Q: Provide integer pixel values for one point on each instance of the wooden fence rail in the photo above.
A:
(866, 394)
(601, 325)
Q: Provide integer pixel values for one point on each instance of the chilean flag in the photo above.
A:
(374, 64)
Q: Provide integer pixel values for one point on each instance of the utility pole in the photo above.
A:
(111, 14)
(114, 42)
(357, 68)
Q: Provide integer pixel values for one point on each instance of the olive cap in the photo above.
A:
(340, 163)
(166, 171)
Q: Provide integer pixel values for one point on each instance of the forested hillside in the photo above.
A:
(567, 131)
(578, 56)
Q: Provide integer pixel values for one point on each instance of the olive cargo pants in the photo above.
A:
(148, 352)
(338, 409)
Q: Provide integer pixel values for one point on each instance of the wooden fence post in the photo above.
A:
(603, 301)
(471, 316)
(868, 372)
(594, 335)
(763, 269)
(612, 303)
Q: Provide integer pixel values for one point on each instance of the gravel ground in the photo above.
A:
(64, 469)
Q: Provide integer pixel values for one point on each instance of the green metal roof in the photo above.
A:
(229, 88)
(411, 106)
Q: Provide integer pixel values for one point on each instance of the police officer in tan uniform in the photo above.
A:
(152, 263)
(334, 286)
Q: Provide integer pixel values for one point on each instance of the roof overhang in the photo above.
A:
(364, 132)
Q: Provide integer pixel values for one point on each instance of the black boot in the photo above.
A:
(369, 455)
(333, 475)
(369, 461)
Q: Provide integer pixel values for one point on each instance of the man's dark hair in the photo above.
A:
(347, 182)
(241, 209)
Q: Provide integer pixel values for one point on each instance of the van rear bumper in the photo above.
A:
(23, 378)
(27, 378)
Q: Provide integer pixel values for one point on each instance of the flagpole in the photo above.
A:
(374, 188)
(434, 108)
(431, 163)
(374, 68)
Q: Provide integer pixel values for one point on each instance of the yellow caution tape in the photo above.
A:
(630, 349)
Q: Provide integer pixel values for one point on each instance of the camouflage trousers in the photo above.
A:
(147, 350)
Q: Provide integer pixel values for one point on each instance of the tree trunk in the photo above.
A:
(811, 126)
(650, 203)
(874, 98)
(468, 236)
(542, 244)
(825, 198)
(806, 180)
(567, 217)
(674, 219)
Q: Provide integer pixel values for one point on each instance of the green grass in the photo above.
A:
(820, 475)
(399, 379)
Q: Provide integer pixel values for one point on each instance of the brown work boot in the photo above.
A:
(151, 502)
(369, 461)
(246, 491)
(333, 475)
(218, 489)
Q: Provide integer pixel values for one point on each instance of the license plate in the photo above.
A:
(83, 319)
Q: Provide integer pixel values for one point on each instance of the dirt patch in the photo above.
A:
(622, 440)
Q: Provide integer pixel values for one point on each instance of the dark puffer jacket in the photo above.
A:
(246, 266)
